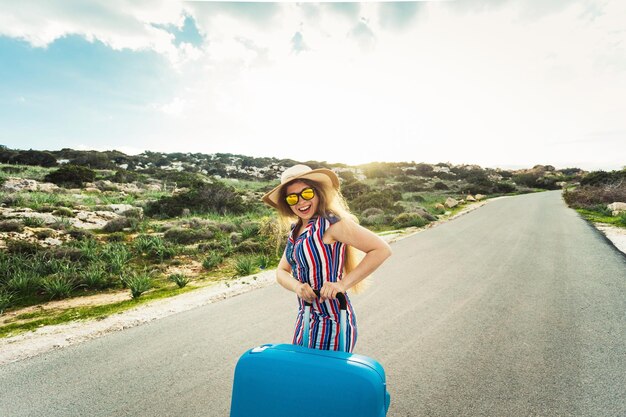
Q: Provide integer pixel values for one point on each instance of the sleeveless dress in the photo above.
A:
(314, 262)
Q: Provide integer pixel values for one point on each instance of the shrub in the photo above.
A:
(440, 186)
(372, 211)
(504, 188)
(206, 198)
(123, 176)
(81, 234)
(133, 213)
(11, 226)
(44, 234)
(30, 157)
(95, 276)
(116, 237)
(6, 298)
(384, 200)
(15, 246)
(600, 178)
(213, 260)
(263, 261)
(245, 265)
(71, 176)
(58, 286)
(67, 253)
(249, 246)
(250, 230)
(138, 283)
(116, 225)
(33, 221)
(187, 236)
(64, 212)
(62, 223)
(115, 256)
(589, 197)
(179, 279)
(377, 220)
(409, 220)
(154, 247)
(23, 282)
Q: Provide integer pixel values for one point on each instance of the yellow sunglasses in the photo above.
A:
(306, 194)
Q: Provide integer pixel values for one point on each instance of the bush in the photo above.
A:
(250, 230)
(44, 234)
(11, 226)
(138, 283)
(116, 225)
(123, 176)
(384, 200)
(71, 176)
(263, 261)
(23, 282)
(187, 236)
(589, 197)
(80, 234)
(600, 178)
(409, 220)
(95, 276)
(116, 237)
(38, 158)
(64, 212)
(213, 260)
(154, 247)
(15, 246)
(6, 298)
(245, 265)
(58, 286)
(67, 253)
(33, 221)
(440, 186)
(206, 198)
(133, 213)
(249, 246)
(179, 279)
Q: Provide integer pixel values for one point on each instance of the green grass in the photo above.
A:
(47, 318)
(29, 172)
(597, 217)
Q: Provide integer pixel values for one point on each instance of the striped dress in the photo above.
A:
(314, 262)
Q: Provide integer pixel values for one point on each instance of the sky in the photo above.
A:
(497, 83)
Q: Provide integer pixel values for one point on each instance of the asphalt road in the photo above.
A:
(515, 309)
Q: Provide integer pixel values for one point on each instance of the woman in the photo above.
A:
(320, 252)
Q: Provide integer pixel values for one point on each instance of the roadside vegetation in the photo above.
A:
(596, 194)
(79, 223)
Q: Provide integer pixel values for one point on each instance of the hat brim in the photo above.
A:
(321, 175)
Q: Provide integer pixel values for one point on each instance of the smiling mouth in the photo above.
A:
(304, 209)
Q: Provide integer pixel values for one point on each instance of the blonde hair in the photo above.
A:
(331, 202)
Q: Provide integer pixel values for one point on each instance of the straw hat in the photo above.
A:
(321, 175)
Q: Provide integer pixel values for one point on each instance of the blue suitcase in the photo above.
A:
(284, 380)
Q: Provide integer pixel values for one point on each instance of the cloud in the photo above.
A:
(297, 42)
(363, 35)
(350, 10)
(398, 16)
(119, 25)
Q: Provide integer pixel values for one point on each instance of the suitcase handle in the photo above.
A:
(343, 306)
(341, 297)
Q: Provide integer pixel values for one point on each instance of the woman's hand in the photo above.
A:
(330, 290)
(305, 292)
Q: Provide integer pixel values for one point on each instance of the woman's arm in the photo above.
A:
(350, 233)
(287, 281)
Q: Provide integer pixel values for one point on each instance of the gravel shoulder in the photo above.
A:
(48, 338)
